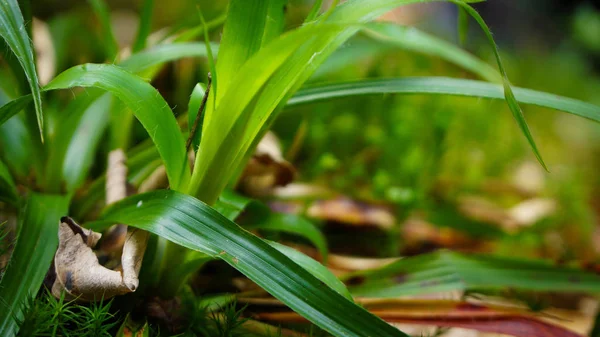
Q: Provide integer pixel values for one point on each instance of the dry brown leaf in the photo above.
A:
(266, 169)
(352, 212)
(44, 51)
(78, 272)
(524, 214)
(507, 320)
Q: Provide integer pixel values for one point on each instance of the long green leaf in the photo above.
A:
(164, 53)
(189, 222)
(445, 86)
(146, 103)
(31, 258)
(293, 224)
(318, 270)
(12, 29)
(314, 11)
(274, 21)
(13, 107)
(447, 271)
(111, 47)
(144, 26)
(8, 190)
(412, 39)
(193, 111)
(199, 30)
(242, 37)
(59, 138)
(18, 148)
(85, 139)
(508, 93)
(260, 217)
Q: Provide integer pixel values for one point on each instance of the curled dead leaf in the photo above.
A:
(419, 235)
(77, 269)
(352, 212)
(526, 213)
(78, 272)
(266, 169)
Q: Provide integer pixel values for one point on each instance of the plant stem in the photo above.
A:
(199, 116)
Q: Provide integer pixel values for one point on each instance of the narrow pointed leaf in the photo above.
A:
(444, 86)
(448, 271)
(314, 11)
(191, 223)
(18, 147)
(202, 28)
(412, 39)
(242, 37)
(31, 258)
(292, 224)
(193, 110)
(146, 103)
(274, 21)
(109, 43)
(12, 29)
(14, 107)
(318, 270)
(85, 139)
(145, 25)
(8, 190)
(508, 93)
(463, 26)
(165, 53)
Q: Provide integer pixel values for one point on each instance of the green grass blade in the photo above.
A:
(8, 190)
(199, 30)
(60, 137)
(293, 224)
(463, 25)
(14, 107)
(261, 217)
(145, 26)
(314, 11)
(414, 40)
(358, 50)
(31, 259)
(510, 97)
(453, 271)
(165, 53)
(274, 21)
(111, 47)
(211, 65)
(242, 37)
(12, 29)
(146, 103)
(318, 270)
(231, 204)
(84, 141)
(17, 137)
(189, 222)
(193, 110)
(444, 86)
